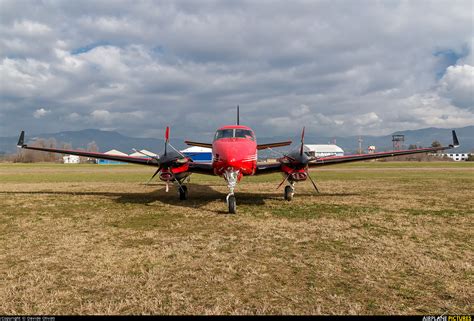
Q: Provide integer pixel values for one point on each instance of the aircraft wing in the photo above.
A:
(272, 145)
(201, 168)
(125, 159)
(331, 160)
(268, 168)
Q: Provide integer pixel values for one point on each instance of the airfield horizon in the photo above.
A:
(381, 238)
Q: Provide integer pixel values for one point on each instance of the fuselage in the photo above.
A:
(234, 149)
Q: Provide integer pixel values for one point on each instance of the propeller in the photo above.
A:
(314, 184)
(166, 160)
(283, 181)
(298, 160)
(302, 143)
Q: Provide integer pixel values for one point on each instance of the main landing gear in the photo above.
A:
(289, 191)
(183, 192)
(231, 176)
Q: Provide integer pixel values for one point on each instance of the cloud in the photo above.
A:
(458, 85)
(139, 67)
(40, 113)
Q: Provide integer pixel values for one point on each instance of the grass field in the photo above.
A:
(381, 238)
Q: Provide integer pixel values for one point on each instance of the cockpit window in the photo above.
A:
(231, 133)
(224, 133)
(244, 133)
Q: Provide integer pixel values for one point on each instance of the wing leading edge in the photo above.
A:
(269, 168)
(354, 158)
(120, 158)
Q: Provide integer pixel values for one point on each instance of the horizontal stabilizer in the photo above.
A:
(207, 145)
(272, 145)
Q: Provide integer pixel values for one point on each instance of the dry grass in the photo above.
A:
(380, 239)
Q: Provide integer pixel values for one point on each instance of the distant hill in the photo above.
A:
(107, 140)
(420, 137)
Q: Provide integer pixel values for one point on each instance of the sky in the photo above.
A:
(338, 67)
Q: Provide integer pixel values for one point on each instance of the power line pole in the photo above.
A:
(360, 144)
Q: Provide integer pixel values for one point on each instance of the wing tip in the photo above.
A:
(21, 140)
(455, 140)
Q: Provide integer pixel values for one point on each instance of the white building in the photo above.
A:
(457, 156)
(143, 153)
(111, 162)
(324, 150)
(71, 159)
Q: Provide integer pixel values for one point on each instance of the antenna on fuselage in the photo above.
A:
(238, 115)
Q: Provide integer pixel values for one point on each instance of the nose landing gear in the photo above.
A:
(231, 176)
(231, 203)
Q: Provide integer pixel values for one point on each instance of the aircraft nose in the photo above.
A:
(232, 162)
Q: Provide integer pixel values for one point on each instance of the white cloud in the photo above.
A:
(39, 113)
(30, 28)
(458, 85)
(337, 67)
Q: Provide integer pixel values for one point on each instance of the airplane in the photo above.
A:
(234, 155)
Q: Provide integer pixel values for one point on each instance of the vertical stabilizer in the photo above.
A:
(238, 115)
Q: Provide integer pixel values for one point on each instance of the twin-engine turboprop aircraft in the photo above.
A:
(234, 155)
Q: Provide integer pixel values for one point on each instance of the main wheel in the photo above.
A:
(183, 192)
(231, 202)
(289, 193)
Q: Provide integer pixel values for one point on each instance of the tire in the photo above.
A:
(183, 192)
(289, 193)
(232, 204)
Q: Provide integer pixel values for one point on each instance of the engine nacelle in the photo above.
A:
(166, 176)
(298, 176)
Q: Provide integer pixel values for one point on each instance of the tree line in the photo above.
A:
(33, 156)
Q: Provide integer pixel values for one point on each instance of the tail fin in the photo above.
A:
(238, 115)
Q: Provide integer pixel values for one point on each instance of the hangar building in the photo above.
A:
(143, 154)
(111, 162)
(324, 150)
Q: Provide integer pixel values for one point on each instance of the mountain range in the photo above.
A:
(107, 140)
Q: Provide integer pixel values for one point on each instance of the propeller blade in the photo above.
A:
(167, 138)
(156, 173)
(302, 142)
(314, 184)
(155, 157)
(286, 178)
(177, 151)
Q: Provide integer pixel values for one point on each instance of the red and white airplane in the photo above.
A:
(234, 155)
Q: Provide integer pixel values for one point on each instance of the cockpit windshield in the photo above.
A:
(234, 133)
(244, 133)
(224, 133)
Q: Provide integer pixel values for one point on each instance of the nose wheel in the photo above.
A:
(231, 203)
(231, 176)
